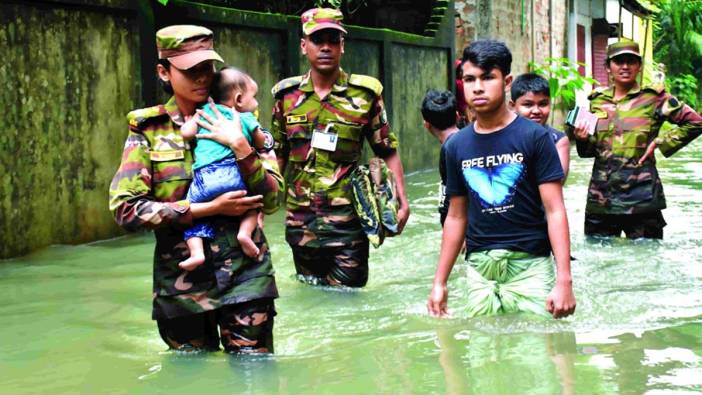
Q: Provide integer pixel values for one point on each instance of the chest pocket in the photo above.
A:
(300, 141)
(171, 172)
(349, 140)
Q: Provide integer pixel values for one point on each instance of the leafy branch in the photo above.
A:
(564, 80)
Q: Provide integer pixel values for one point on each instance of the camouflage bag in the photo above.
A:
(375, 200)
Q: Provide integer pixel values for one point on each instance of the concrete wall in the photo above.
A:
(69, 76)
(411, 80)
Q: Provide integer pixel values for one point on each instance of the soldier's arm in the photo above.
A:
(384, 144)
(262, 178)
(280, 144)
(131, 200)
(689, 124)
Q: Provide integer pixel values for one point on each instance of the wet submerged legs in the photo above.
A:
(345, 266)
(245, 328)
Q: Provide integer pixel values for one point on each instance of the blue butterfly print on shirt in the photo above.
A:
(495, 185)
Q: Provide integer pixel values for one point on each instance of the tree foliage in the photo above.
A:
(678, 45)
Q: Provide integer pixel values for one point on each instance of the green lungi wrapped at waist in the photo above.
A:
(504, 281)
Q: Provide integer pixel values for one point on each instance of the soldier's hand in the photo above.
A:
(236, 203)
(649, 152)
(437, 305)
(402, 216)
(580, 131)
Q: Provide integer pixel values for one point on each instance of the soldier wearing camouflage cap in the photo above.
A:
(230, 291)
(625, 192)
(320, 120)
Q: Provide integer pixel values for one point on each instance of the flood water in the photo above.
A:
(76, 319)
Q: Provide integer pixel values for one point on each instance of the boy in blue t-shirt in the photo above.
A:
(504, 182)
(215, 170)
(530, 97)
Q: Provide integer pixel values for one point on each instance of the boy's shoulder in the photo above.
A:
(529, 128)
(457, 139)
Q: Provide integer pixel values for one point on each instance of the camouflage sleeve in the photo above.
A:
(131, 199)
(689, 124)
(280, 144)
(381, 139)
(586, 148)
(262, 178)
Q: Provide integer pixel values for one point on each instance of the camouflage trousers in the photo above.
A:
(346, 265)
(243, 328)
(634, 226)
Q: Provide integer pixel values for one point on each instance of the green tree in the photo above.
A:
(564, 80)
(678, 45)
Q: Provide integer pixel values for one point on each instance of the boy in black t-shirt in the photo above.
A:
(504, 182)
(439, 111)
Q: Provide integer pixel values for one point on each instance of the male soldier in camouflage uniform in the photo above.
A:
(148, 191)
(625, 191)
(319, 122)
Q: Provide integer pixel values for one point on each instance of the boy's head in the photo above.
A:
(234, 88)
(439, 110)
(531, 97)
(486, 74)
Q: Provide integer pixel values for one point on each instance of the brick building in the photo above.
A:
(533, 29)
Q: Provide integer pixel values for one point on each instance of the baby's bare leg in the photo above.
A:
(246, 228)
(197, 254)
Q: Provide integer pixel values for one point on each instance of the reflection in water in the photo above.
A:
(477, 363)
(76, 319)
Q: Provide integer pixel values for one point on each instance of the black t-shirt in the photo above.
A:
(555, 133)
(443, 201)
(500, 174)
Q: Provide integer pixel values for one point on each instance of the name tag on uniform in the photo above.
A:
(291, 119)
(164, 156)
(324, 139)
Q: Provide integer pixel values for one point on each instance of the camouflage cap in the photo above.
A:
(623, 47)
(186, 45)
(317, 19)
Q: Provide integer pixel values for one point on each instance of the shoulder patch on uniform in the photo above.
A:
(138, 118)
(670, 105)
(596, 92)
(286, 84)
(657, 88)
(366, 81)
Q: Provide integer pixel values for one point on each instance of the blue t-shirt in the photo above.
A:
(210, 151)
(500, 174)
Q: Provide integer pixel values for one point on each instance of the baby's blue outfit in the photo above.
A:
(215, 170)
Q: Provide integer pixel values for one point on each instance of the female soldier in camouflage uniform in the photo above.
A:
(230, 290)
(625, 191)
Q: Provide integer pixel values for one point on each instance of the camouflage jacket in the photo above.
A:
(625, 128)
(148, 191)
(318, 191)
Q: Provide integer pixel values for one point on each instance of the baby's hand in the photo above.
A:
(189, 128)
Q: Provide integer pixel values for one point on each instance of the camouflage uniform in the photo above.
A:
(328, 242)
(319, 195)
(148, 192)
(622, 194)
